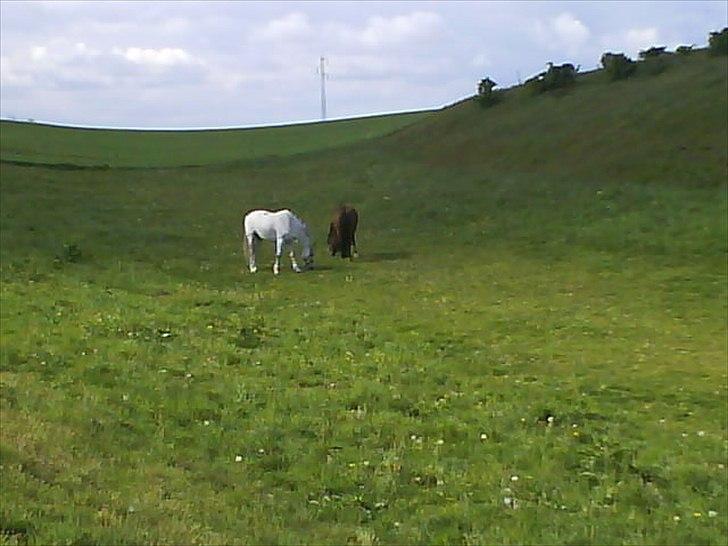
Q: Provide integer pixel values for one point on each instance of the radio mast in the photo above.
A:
(322, 71)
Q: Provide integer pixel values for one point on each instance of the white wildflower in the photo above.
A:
(238, 458)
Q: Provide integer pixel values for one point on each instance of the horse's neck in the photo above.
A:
(296, 225)
(302, 236)
(300, 231)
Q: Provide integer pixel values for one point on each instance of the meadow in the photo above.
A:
(531, 348)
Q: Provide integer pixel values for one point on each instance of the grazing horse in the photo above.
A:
(284, 228)
(342, 231)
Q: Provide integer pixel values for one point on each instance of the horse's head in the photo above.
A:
(307, 253)
(334, 239)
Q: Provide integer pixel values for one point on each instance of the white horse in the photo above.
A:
(283, 227)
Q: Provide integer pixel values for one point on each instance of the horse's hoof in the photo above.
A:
(253, 269)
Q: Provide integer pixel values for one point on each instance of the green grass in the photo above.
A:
(154, 392)
(35, 143)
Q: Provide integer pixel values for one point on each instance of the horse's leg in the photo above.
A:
(294, 265)
(250, 240)
(279, 250)
(353, 243)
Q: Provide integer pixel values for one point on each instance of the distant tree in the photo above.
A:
(555, 77)
(653, 60)
(718, 42)
(486, 95)
(652, 52)
(618, 66)
(684, 49)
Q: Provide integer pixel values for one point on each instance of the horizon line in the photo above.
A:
(32, 121)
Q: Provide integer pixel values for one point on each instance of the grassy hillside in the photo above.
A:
(669, 127)
(530, 350)
(36, 143)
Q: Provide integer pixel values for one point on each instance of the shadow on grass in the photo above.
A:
(384, 257)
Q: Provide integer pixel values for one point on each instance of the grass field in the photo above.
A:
(531, 348)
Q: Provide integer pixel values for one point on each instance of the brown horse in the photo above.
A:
(342, 232)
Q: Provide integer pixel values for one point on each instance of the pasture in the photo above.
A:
(530, 349)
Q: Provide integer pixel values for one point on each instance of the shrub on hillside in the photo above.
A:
(685, 50)
(652, 53)
(556, 77)
(618, 66)
(653, 60)
(718, 42)
(486, 95)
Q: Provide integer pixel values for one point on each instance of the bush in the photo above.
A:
(652, 53)
(653, 61)
(718, 42)
(684, 50)
(618, 66)
(71, 252)
(486, 95)
(555, 77)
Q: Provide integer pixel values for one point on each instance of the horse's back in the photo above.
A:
(267, 224)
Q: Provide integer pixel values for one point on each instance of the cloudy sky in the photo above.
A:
(192, 64)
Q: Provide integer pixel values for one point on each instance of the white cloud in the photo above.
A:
(561, 33)
(570, 30)
(38, 53)
(632, 41)
(68, 65)
(641, 38)
(387, 31)
(291, 27)
(163, 57)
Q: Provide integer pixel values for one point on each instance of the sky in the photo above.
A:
(209, 64)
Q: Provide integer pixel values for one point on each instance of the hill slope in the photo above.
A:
(665, 127)
(36, 143)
